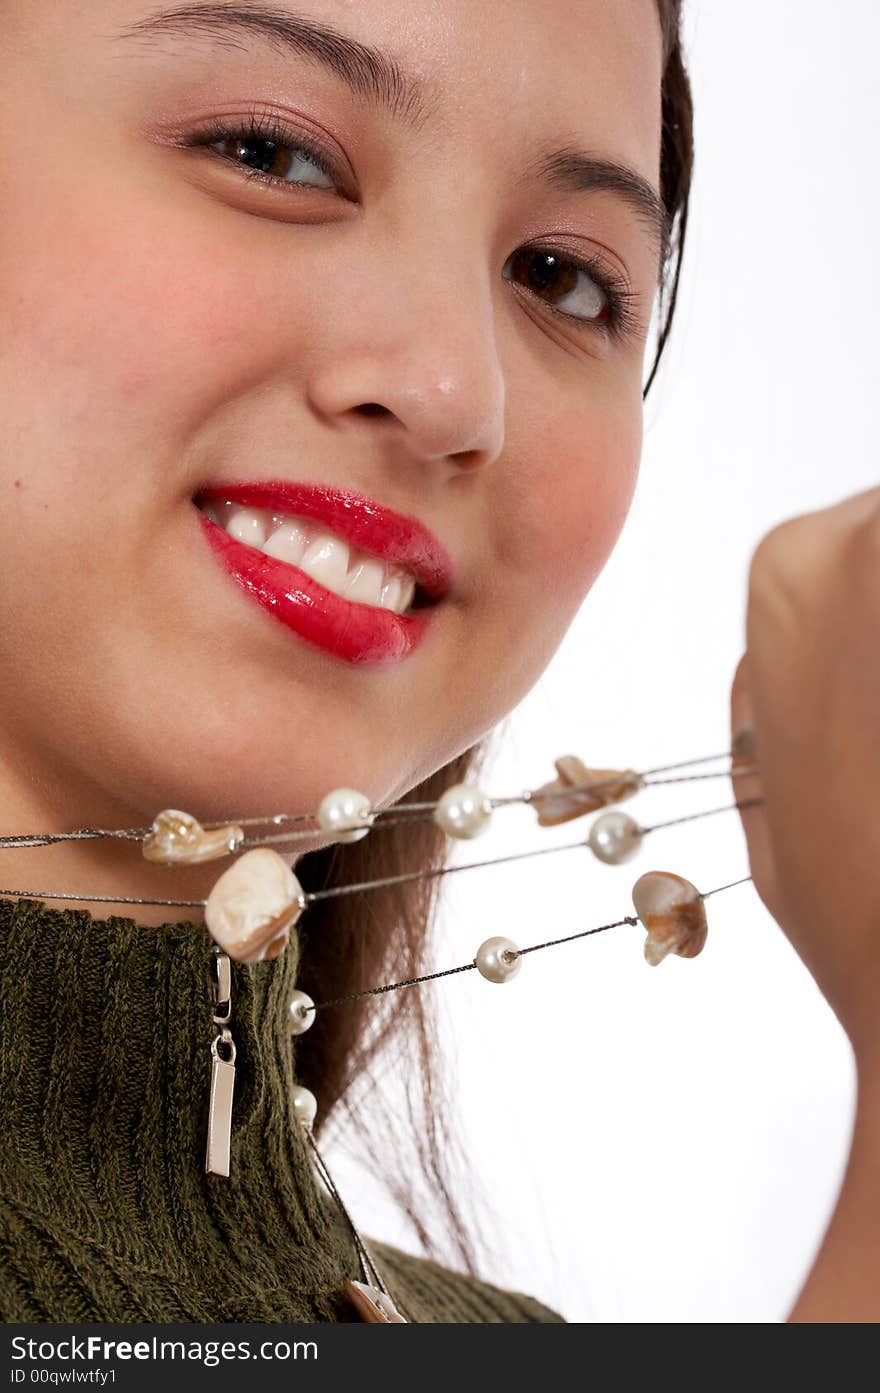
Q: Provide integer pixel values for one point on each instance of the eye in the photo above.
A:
(263, 149)
(580, 290)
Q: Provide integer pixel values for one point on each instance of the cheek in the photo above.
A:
(576, 491)
(597, 474)
(123, 351)
(131, 327)
(565, 507)
(122, 344)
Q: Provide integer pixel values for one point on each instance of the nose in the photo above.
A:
(414, 354)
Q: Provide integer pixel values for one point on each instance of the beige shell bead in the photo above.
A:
(177, 837)
(673, 912)
(569, 796)
(253, 906)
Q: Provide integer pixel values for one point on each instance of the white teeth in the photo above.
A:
(288, 542)
(391, 591)
(247, 525)
(407, 592)
(326, 560)
(353, 574)
(398, 590)
(365, 581)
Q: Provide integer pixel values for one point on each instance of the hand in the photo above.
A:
(809, 685)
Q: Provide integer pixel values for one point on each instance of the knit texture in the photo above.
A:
(106, 1211)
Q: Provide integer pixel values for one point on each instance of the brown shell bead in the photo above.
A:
(179, 838)
(570, 795)
(674, 913)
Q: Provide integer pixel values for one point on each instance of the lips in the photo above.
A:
(359, 634)
(395, 538)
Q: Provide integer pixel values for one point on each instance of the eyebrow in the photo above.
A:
(377, 77)
(575, 171)
(367, 71)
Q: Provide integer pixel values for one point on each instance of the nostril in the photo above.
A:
(373, 408)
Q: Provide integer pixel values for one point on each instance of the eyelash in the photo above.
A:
(259, 126)
(621, 320)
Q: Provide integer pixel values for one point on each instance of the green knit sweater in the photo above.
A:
(106, 1212)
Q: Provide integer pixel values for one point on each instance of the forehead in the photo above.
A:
(555, 72)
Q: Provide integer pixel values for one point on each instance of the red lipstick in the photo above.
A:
(361, 634)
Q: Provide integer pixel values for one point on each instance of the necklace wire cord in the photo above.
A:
(405, 810)
(370, 1272)
(514, 953)
(572, 795)
(311, 897)
(500, 860)
(102, 899)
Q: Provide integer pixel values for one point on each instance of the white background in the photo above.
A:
(665, 1144)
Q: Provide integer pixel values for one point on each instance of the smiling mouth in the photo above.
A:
(346, 570)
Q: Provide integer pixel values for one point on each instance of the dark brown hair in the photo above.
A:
(354, 943)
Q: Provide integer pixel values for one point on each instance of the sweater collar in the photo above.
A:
(105, 1062)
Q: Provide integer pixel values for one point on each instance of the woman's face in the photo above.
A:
(392, 327)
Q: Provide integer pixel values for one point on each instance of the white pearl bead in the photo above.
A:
(615, 837)
(305, 1106)
(463, 811)
(300, 1014)
(492, 962)
(341, 810)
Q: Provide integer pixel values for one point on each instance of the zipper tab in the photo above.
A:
(222, 1074)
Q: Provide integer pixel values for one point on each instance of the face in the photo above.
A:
(395, 302)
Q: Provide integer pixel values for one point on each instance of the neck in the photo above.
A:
(71, 872)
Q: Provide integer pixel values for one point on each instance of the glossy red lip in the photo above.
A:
(361, 634)
(368, 525)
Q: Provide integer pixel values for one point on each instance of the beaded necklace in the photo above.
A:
(256, 901)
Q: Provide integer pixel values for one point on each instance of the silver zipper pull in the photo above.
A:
(222, 1074)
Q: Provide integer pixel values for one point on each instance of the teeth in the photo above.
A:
(397, 593)
(288, 542)
(247, 525)
(365, 581)
(326, 560)
(355, 575)
(391, 591)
